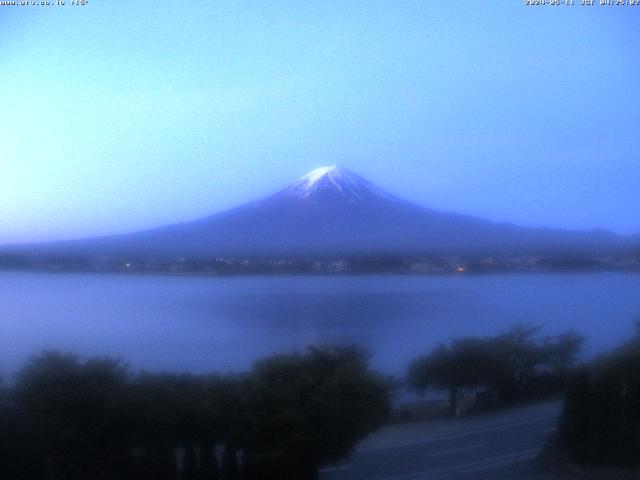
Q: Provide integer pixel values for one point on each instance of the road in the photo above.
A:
(486, 447)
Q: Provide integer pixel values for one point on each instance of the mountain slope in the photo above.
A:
(334, 211)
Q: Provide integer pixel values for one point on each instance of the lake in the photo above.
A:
(205, 323)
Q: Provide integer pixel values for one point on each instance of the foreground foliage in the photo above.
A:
(514, 365)
(67, 419)
(600, 423)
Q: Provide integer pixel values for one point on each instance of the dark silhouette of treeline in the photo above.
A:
(67, 419)
(512, 366)
(600, 423)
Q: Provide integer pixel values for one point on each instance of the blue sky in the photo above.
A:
(119, 116)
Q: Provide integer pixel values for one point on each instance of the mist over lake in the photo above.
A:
(203, 323)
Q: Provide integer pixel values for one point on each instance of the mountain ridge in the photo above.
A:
(332, 211)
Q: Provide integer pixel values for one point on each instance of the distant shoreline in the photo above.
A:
(317, 265)
(317, 275)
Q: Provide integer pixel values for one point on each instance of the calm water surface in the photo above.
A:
(203, 324)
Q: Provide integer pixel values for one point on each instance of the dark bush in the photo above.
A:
(600, 423)
(67, 419)
(308, 410)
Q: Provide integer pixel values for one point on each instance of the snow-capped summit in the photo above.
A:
(332, 181)
(333, 211)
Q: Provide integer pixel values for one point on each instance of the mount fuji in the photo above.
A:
(330, 211)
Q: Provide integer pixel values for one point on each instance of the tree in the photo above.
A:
(77, 411)
(508, 366)
(68, 419)
(600, 423)
(155, 406)
(522, 363)
(452, 368)
(20, 455)
(230, 467)
(515, 357)
(208, 462)
(306, 410)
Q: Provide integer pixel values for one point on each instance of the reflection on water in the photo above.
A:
(204, 324)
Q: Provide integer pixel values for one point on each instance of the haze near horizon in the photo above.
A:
(500, 111)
